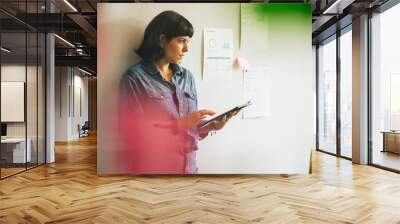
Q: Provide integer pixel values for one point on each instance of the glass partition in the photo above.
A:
(22, 87)
(41, 109)
(385, 87)
(327, 96)
(14, 146)
(32, 95)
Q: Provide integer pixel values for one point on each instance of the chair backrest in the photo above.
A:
(86, 125)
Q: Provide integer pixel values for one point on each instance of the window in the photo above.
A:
(385, 89)
(327, 96)
(346, 93)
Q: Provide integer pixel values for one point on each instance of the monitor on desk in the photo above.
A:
(3, 130)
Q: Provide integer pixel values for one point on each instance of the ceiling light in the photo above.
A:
(84, 71)
(329, 9)
(64, 40)
(79, 51)
(338, 6)
(70, 5)
(5, 50)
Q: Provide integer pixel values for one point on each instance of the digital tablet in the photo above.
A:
(220, 116)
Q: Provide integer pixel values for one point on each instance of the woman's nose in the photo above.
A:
(185, 48)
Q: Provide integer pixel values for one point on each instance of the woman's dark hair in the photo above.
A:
(169, 23)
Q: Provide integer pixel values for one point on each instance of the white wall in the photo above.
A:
(80, 100)
(277, 143)
(61, 103)
(67, 85)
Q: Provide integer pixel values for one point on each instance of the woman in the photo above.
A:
(159, 102)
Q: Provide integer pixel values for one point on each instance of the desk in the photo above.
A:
(391, 141)
(13, 150)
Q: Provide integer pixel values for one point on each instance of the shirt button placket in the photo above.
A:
(180, 100)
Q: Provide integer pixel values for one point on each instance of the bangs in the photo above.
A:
(179, 27)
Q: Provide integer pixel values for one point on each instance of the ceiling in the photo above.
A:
(76, 22)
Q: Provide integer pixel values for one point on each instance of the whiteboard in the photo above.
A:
(12, 101)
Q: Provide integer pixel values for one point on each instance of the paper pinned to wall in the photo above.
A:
(256, 89)
(253, 27)
(218, 54)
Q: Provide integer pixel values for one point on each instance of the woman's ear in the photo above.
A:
(163, 40)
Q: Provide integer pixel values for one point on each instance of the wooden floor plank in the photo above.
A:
(69, 191)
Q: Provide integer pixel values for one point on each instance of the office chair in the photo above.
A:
(84, 130)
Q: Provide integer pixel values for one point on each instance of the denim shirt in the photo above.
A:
(174, 100)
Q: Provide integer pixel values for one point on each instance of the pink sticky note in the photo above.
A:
(240, 63)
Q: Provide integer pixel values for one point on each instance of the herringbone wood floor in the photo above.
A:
(69, 191)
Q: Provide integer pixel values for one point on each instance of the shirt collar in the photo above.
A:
(151, 68)
(176, 69)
